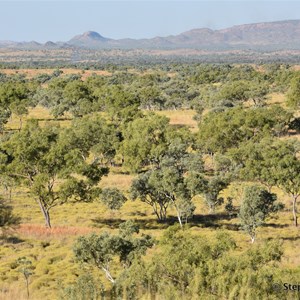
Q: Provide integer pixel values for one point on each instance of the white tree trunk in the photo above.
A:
(108, 275)
(295, 210)
(45, 213)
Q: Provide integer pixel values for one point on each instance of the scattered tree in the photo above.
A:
(26, 268)
(293, 94)
(257, 204)
(85, 287)
(113, 198)
(100, 250)
(41, 158)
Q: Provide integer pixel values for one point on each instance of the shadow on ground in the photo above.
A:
(274, 225)
(10, 239)
(212, 221)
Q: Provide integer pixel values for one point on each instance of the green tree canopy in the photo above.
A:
(101, 250)
(221, 131)
(257, 204)
(144, 141)
(273, 163)
(41, 158)
(293, 94)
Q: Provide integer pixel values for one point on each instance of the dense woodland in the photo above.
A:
(207, 212)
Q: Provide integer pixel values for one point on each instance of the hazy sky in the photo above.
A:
(60, 20)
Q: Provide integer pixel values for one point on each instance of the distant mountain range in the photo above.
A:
(281, 35)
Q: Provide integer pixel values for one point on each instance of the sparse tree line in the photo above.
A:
(116, 58)
(239, 139)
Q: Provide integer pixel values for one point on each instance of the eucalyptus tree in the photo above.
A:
(144, 141)
(210, 73)
(239, 91)
(151, 98)
(47, 163)
(220, 131)
(257, 92)
(149, 189)
(67, 95)
(169, 183)
(94, 136)
(77, 98)
(272, 162)
(212, 188)
(235, 91)
(16, 97)
(120, 104)
(293, 94)
(26, 268)
(113, 198)
(286, 170)
(51, 96)
(257, 204)
(103, 250)
(253, 161)
(146, 192)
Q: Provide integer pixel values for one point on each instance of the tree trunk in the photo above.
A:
(10, 193)
(157, 214)
(178, 212)
(178, 216)
(108, 275)
(179, 219)
(27, 286)
(295, 210)
(45, 213)
(162, 213)
(20, 123)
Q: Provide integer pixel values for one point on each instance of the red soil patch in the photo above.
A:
(39, 231)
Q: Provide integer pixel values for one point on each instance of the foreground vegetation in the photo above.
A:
(177, 182)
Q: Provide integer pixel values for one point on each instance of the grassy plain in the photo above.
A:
(51, 250)
(181, 117)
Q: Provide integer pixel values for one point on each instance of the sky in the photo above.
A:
(60, 20)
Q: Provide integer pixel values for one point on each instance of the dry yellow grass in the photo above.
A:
(180, 117)
(51, 250)
(55, 261)
(30, 73)
(277, 98)
(177, 117)
(15, 291)
(120, 181)
(295, 67)
(40, 113)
